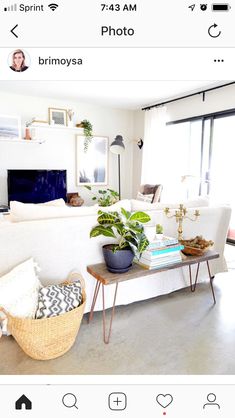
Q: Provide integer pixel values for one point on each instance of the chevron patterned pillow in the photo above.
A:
(54, 300)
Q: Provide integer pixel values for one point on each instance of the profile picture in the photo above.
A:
(18, 61)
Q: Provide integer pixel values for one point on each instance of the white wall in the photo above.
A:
(217, 100)
(58, 152)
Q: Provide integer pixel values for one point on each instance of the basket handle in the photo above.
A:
(5, 312)
(76, 276)
(2, 319)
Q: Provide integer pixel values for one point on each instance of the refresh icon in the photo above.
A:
(212, 32)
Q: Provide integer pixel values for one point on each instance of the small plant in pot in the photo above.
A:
(87, 130)
(159, 231)
(128, 230)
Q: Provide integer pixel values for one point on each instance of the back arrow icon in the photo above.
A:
(210, 31)
(12, 31)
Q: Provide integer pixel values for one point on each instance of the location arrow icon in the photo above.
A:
(192, 7)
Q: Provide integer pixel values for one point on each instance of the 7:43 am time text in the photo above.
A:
(118, 7)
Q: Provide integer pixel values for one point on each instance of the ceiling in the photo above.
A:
(117, 94)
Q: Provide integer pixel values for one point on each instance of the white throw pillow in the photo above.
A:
(19, 290)
(56, 202)
(145, 197)
(29, 211)
(125, 204)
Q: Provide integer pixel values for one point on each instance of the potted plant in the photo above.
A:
(106, 197)
(87, 130)
(128, 230)
(159, 231)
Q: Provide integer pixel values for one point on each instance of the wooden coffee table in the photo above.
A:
(105, 278)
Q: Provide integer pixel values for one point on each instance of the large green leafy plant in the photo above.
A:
(106, 197)
(126, 227)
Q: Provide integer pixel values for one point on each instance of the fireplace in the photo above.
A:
(36, 186)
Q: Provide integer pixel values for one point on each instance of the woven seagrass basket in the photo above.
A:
(48, 338)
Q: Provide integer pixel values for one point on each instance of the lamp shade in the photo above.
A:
(117, 146)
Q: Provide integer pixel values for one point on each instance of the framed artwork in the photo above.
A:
(92, 164)
(10, 127)
(57, 116)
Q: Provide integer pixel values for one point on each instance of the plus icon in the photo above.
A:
(117, 401)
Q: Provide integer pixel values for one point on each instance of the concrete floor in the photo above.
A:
(181, 333)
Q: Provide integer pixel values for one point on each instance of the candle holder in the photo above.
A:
(179, 215)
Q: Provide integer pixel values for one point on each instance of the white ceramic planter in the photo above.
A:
(150, 232)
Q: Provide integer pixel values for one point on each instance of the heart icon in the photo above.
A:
(164, 400)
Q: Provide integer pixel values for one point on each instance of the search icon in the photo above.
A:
(69, 400)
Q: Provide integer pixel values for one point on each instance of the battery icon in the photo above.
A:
(220, 7)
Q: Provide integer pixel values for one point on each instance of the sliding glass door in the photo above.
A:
(208, 147)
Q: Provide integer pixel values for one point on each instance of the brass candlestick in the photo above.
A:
(179, 215)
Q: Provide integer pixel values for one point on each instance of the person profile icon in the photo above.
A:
(18, 61)
(211, 397)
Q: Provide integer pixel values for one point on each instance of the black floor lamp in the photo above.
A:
(118, 147)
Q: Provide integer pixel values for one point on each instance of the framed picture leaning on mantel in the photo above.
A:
(92, 164)
(57, 117)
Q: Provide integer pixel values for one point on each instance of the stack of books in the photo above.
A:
(161, 253)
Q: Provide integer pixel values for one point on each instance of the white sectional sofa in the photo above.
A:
(61, 244)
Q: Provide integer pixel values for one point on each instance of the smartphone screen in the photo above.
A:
(117, 224)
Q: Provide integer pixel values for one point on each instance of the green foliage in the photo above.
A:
(140, 217)
(106, 197)
(159, 229)
(124, 226)
(87, 130)
(102, 230)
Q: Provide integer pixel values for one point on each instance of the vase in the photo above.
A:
(27, 134)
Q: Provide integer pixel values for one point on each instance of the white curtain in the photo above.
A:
(154, 151)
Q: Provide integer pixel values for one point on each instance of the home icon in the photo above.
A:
(23, 403)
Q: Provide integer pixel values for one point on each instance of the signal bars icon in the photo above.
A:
(53, 6)
(12, 8)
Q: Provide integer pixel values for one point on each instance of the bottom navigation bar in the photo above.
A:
(118, 400)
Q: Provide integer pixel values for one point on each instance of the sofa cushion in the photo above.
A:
(55, 300)
(19, 290)
(30, 211)
(194, 203)
(125, 204)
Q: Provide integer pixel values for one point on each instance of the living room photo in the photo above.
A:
(117, 228)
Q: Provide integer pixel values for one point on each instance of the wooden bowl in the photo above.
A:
(195, 251)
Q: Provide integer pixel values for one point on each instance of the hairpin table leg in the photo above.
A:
(97, 288)
(211, 281)
(106, 339)
(193, 285)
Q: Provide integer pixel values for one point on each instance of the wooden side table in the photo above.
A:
(105, 278)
